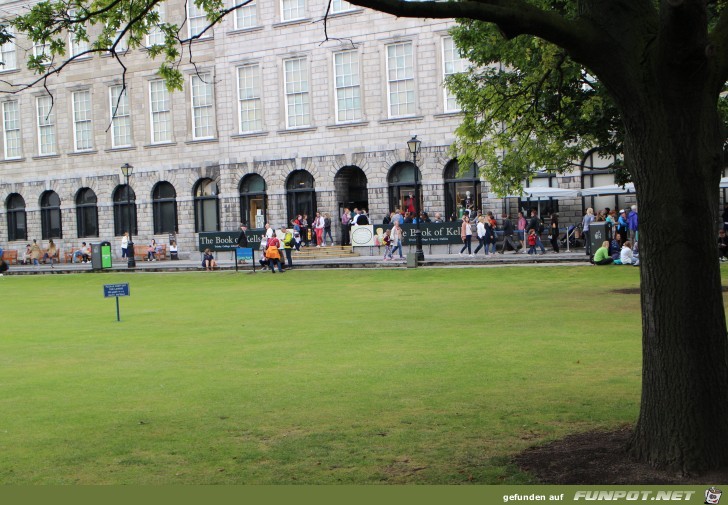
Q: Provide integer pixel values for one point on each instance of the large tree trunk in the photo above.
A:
(674, 154)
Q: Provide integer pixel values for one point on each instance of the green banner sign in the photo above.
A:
(228, 240)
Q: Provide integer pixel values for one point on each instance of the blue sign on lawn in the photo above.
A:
(116, 290)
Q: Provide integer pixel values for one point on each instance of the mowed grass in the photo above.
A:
(430, 376)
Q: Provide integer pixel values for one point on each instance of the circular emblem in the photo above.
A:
(361, 236)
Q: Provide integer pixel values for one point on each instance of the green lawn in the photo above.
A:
(430, 376)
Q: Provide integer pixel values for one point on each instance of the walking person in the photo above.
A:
(396, 237)
(521, 227)
(481, 233)
(466, 235)
(554, 232)
(327, 228)
(491, 228)
(387, 241)
(585, 222)
(536, 225)
(508, 235)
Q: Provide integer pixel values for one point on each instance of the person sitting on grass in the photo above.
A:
(626, 257)
(602, 257)
(208, 260)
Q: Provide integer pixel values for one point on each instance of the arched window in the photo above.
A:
(207, 213)
(253, 201)
(401, 180)
(17, 228)
(50, 215)
(87, 214)
(125, 215)
(300, 194)
(462, 191)
(164, 208)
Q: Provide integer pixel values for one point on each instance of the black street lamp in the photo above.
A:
(414, 147)
(126, 171)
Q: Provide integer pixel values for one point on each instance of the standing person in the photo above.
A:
(305, 231)
(554, 232)
(623, 225)
(318, 226)
(125, 245)
(466, 235)
(536, 225)
(481, 233)
(242, 240)
(585, 222)
(327, 228)
(725, 217)
(288, 245)
(508, 235)
(632, 222)
(521, 227)
(345, 219)
(387, 241)
(396, 237)
(722, 245)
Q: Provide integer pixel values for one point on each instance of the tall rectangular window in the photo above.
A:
(46, 125)
(120, 117)
(346, 81)
(452, 63)
(340, 6)
(161, 119)
(202, 107)
(293, 9)
(246, 16)
(41, 50)
(297, 95)
(77, 46)
(11, 130)
(249, 99)
(82, 130)
(155, 36)
(197, 20)
(400, 80)
(8, 56)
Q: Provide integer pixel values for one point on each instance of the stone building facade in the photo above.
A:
(274, 117)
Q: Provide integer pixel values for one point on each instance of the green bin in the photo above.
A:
(105, 255)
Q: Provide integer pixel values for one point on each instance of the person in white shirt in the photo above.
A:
(318, 225)
(480, 228)
(626, 256)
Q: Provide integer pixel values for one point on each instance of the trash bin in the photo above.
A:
(411, 259)
(96, 256)
(598, 233)
(105, 254)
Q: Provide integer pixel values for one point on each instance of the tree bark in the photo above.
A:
(673, 150)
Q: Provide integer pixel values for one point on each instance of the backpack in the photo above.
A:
(327, 222)
(363, 219)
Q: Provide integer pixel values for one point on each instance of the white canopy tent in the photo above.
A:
(611, 189)
(724, 183)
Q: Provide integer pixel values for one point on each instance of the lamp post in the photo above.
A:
(126, 171)
(414, 147)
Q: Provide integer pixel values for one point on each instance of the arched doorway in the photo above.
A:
(401, 181)
(50, 215)
(350, 184)
(300, 195)
(462, 191)
(253, 201)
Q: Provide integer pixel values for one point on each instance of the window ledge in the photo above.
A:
(401, 119)
(240, 31)
(46, 157)
(248, 135)
(12, 160)
(353, 124)
(161, 144)
(82, 153)
(447, 115)
(201, 141)
(303, 129)
(120, 148)
(283, 24)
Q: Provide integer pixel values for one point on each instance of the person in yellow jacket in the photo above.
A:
(288, 244)
(273, 255)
